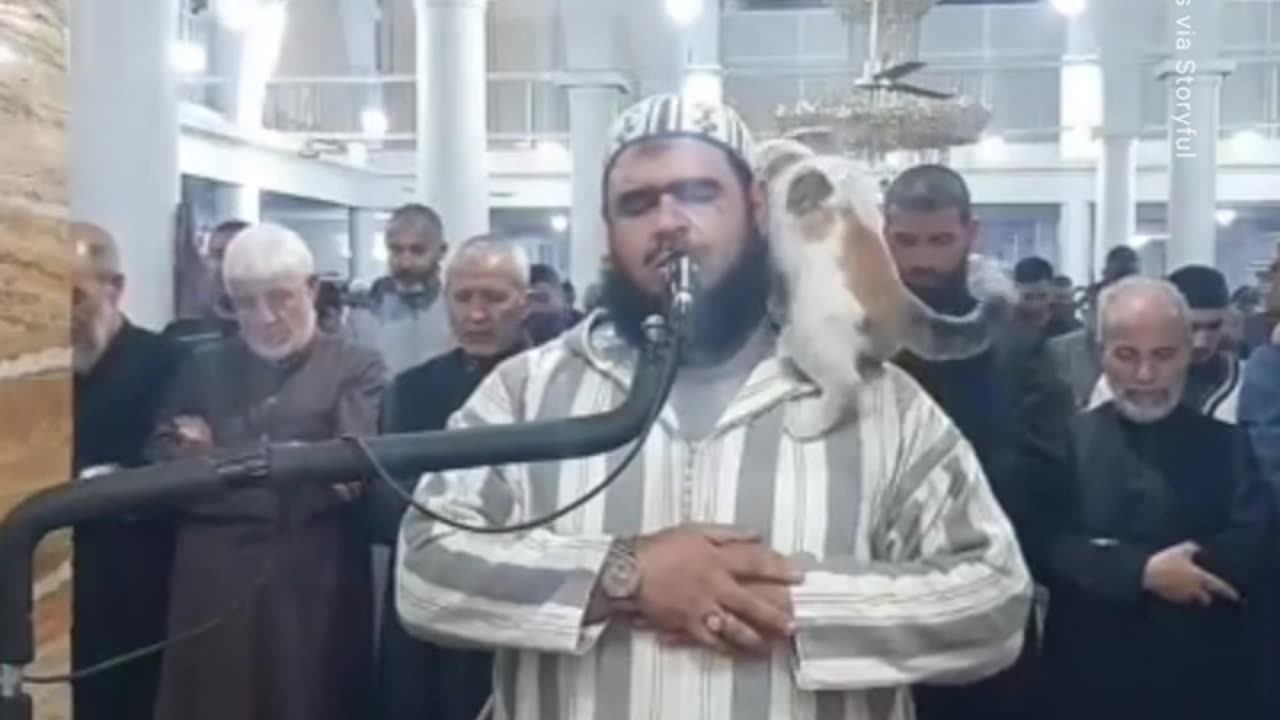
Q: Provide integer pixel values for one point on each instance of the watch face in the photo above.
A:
(620, 578)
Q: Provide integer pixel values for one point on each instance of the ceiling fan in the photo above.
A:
(876, 77)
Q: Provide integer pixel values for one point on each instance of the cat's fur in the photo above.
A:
(845, 308)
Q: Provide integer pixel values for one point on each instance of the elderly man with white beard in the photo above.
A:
(121, 565)
(1156, 554)
(299, 648)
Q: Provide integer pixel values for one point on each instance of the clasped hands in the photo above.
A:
(1173, 575)
(714, 586)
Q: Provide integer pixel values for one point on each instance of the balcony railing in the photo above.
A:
(1023, 93)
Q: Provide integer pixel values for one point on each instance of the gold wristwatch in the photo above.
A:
(620, 576)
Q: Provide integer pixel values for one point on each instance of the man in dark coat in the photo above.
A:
(1008, 401)
(486, 293)
(1159, 539)
(121, 565)
(287, 570)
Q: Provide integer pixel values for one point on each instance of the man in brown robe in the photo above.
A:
(299, 647)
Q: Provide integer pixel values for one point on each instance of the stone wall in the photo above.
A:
(35, 259)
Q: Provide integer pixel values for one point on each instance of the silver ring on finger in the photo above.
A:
(714, 622)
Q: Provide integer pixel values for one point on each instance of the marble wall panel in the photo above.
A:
(35, 259)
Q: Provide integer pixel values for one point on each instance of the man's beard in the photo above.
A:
(414, 280)
(90, 339)
(944, 293)
(724, 315)
(1146, 411)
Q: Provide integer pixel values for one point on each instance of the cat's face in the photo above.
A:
(829, 207)
(817, 198)
(774, 157)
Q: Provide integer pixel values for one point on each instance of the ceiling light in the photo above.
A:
(189, 58)
(235, 14)
(684, 12)
(992, 147)
(701, 87)
(374, 122)
(1070, 8)
(358, 153)
(7, 54)
(1247, 142)
(1078, 143)
(551, 152)
(1225, 216)
(559, 222)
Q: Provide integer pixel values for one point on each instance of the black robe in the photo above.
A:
(1115, 651)
(419, 680)
(300, 646)
(1013, 408)
(121, 565)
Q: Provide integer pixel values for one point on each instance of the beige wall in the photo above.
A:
(35, 388)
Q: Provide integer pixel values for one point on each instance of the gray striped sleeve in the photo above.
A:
(948, 602)
(527, 590)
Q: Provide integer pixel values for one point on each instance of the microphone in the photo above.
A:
(169, 484)
(682, 286)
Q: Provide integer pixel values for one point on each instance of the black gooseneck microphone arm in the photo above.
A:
(280, 465)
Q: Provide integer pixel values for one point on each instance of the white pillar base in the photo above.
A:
(1075, 242)
(363, 268)
(238, 202)
(1117, 218)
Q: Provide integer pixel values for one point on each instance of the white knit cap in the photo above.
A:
(662, 116)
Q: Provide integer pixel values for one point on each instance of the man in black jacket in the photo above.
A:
(217, 320)
(1160, 539)
(486, 293)
(1008, 402)
(121, 565)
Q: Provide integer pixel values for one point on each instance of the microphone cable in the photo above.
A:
(260, 581)
(268, 570)
(668, 376)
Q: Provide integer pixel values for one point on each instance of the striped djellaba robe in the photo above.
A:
(912, 570)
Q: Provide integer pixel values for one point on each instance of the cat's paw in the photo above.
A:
(813, 417)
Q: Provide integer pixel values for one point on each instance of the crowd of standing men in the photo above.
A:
(1121, 455)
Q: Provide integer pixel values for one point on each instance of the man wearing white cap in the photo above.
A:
(298, 647)
(734, 571)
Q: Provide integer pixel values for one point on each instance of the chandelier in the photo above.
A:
(895, 35)
(878, 114)
(872, 124)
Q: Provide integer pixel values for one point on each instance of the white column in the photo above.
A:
(1195, 75)
(704, 76)
(237, 57)
(594, 93)
(360, 26)
(591, 110)
(1117, 218)
(1075, 240)
(363, 235)
(453, 173)
(226, 63)
(238, 202)
(1120, 56)
(124, 140)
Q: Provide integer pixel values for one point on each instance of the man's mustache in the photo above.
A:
(923, 276)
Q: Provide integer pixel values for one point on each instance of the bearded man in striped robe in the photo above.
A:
(734, 571)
